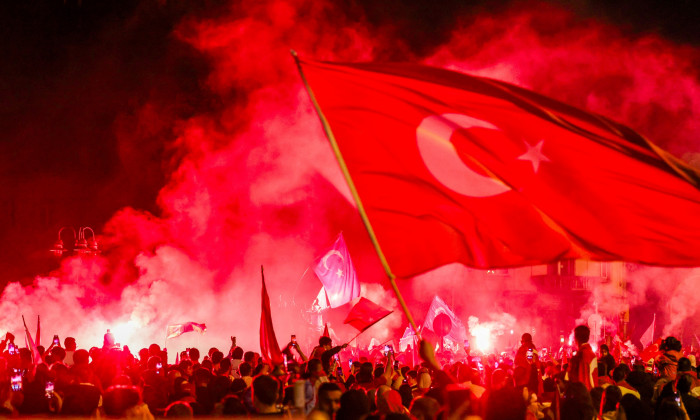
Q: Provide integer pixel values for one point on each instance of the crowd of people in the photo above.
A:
(111, 381)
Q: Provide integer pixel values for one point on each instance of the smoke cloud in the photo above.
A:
(250, 180)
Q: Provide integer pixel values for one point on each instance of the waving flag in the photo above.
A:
(648, 337)
(269, 348)
(457, 332)
(179, 329)
(651, 351)
(36, 356)
(365, 313)
(336, 272)
(322, 299)
(447, 167)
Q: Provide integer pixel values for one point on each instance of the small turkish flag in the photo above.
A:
(365, 313)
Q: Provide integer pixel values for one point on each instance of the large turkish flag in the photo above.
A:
(455, 168)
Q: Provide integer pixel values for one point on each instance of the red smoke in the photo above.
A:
(251, 179)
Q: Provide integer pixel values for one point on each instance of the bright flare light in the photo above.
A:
(123, 332)
(482, 339)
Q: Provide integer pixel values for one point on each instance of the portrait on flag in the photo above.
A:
(456, 333)
(177, 330)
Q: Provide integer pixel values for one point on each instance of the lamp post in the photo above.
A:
(81, 245)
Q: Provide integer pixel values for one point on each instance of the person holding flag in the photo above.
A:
(325, 351)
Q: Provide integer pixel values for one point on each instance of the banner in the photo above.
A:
(447, 167)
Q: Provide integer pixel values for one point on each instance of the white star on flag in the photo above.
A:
(534, 155)
(336, 272)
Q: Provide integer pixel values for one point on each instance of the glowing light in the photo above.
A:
(482, 338)
(124, 331)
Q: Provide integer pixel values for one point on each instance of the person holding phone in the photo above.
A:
(294, 345)
(527, 359)
(9, 339)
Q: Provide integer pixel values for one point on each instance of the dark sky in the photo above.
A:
(73, 72)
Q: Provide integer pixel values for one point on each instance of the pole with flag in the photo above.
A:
(648, 337)
(269, 348)
(447, 167)
(337, 273)
(356, 196)
(38, 330)
(364, 314)
(36, 356)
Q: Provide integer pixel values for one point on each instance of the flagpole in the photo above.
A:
(356, 335)
(355, 195)
(653, 327)
(300, 279)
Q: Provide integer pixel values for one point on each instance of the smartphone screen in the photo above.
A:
(49, 389)
(529, 354)
(56, 341)
(16, 381)
(294, 338)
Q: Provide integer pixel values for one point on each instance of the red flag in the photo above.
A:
(325, 331)
(365, 313)
(269, 348)
(336, 272)
(36, 356)
(557, 404)
(454, 168)
(176, 330)
(650, 352)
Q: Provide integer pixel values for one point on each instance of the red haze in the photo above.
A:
(253, 181)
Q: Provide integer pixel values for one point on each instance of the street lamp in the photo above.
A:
(81, 245)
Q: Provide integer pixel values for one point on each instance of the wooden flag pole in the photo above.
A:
(360, 207)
